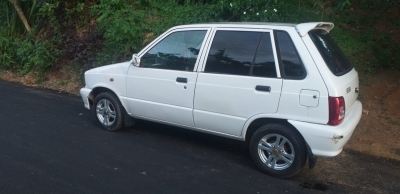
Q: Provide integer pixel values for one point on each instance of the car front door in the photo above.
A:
(162, 86)
(240, 79)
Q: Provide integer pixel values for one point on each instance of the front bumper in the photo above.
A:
(85, 94)
(326, 140)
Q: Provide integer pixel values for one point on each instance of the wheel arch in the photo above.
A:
(98, 90)
(252, 125)
(128, 121)
(256, 123)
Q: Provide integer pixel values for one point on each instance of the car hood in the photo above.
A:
(114, 69)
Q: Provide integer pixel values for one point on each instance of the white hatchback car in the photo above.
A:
(287, 89)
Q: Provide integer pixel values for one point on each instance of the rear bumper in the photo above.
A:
(84, 94)
(325, 140)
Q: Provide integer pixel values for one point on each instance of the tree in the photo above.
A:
(21, 14)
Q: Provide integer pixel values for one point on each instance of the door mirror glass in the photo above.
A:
(135, 60)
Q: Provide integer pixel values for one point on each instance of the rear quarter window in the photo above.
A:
(289, 59)
(330, 52)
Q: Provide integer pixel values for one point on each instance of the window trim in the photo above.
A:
(211, 40)
(165, 35)
(282, 70)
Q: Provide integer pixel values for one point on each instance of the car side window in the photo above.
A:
(178, 51)
(289, 59)
(264, 64)
(241, 53)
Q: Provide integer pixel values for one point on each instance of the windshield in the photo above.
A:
(330, 52)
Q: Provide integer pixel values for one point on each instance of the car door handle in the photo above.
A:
(263, 88)
(181, 79)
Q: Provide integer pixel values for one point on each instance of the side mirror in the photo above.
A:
(135, 60)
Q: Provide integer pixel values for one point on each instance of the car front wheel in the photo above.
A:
(107, 111)
(278, 150)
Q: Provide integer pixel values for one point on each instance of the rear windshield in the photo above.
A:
(330, 52)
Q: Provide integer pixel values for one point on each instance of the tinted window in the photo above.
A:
(178, 51)
(289, 59)
(330, 52)
(234, 52)
(264, 63)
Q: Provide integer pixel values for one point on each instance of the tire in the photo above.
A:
(107, 111)
(282, 160)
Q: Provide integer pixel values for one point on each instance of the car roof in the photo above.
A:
(302, 28)
(237, 24)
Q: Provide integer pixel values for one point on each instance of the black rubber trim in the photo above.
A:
(312, 159)
(128, 120)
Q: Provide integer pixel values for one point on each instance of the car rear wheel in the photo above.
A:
(278, 150)
(107, 111)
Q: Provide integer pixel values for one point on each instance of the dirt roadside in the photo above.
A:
(377, 134)
(66, 79)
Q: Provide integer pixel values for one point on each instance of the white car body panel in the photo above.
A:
(155, 93)
(100, 77)
(222, 99)
(84, 94)
(291, 90)
(328, 141)
(191, 128)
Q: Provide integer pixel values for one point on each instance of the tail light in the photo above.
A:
(336, 110)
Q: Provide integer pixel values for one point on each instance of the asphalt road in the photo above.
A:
(49, 143)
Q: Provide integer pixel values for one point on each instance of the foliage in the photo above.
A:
(254, 11)
(370, 34)
(123, 27)
(341, 5)
(127, 25)
(35, 54)
(29, 52)
(27, 55)
(6, 54)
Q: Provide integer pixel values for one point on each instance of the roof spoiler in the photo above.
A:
(304, 28)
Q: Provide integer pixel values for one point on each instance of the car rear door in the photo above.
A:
(343, 78)
(240, 78)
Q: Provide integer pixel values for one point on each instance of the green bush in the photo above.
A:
(6, 51)
(27, 55)
(128, 25)
(123, 28)
(37, 51)
(36, 55)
